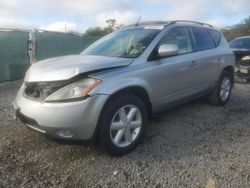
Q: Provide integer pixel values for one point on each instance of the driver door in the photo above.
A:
(176, 75)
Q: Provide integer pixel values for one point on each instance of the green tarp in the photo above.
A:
(13, 49)
(52, 44)
(13, 55)
(89, 40)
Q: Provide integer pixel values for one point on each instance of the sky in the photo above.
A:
(78, 15)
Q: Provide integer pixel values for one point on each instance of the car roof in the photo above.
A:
(166, 23)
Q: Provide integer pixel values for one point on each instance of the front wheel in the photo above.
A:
(122, 124)
(222, 90)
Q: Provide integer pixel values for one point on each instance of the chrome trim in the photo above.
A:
(35, 128)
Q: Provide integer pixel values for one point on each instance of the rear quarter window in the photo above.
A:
(216, 36)
(203, 39)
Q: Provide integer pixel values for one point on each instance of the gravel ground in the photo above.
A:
(193, 145)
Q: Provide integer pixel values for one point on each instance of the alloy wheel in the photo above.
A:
(125, 126)
(225, 88)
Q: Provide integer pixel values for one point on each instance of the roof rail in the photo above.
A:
(165, 23)
(188, 21)
(149, 23)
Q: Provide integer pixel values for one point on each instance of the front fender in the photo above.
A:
(111, 86)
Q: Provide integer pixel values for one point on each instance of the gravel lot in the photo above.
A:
(193, 145)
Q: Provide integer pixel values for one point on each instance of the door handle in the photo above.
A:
(193, 64)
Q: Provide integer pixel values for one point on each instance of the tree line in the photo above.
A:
(238, 30)
(230, 32)
(102, 31)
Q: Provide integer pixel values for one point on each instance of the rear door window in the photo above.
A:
(216, 36)
(203, 39)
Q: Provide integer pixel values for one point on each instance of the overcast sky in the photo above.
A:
(78, 15)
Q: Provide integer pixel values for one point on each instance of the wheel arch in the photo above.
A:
(229, 69)
(138, 91)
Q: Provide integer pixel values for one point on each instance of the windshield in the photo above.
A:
(243, 43)
(127, 43)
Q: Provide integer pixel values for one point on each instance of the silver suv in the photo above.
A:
(108, 91)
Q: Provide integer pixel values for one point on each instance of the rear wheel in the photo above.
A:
(122, 124)
(222, 90)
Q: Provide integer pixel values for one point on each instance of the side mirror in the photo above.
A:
(166, 50)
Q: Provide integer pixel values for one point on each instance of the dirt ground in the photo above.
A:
(193, 145)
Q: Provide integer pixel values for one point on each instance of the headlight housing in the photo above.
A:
(245, 58)
(245, 61)
(74, 91)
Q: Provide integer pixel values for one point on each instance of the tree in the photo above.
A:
(111, 24)
(102, 31)
(238, 30)
(96, 32)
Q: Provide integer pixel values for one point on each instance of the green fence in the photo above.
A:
(88, 40)
(13, 55)
(53, 44)
(14, 59)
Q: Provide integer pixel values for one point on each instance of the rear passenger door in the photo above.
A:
(205, 43)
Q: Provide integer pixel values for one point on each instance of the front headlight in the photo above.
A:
(76, 90)
(245, 58)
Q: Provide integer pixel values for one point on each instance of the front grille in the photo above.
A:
(39, 91)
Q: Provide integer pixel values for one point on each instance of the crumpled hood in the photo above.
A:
(66, 67)
(240, 50)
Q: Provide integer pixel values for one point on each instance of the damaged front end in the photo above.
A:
(39, 91)
(243, 68)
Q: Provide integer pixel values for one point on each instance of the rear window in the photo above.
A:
(216, 36)
(203, 39)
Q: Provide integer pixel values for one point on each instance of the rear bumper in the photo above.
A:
(71, 120)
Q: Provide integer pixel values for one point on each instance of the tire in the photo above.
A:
(216, 98)
(115, 118)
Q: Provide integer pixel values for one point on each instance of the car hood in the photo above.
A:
(66, 67)
(240, 50)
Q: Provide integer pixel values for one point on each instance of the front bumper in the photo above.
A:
(70, 120)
